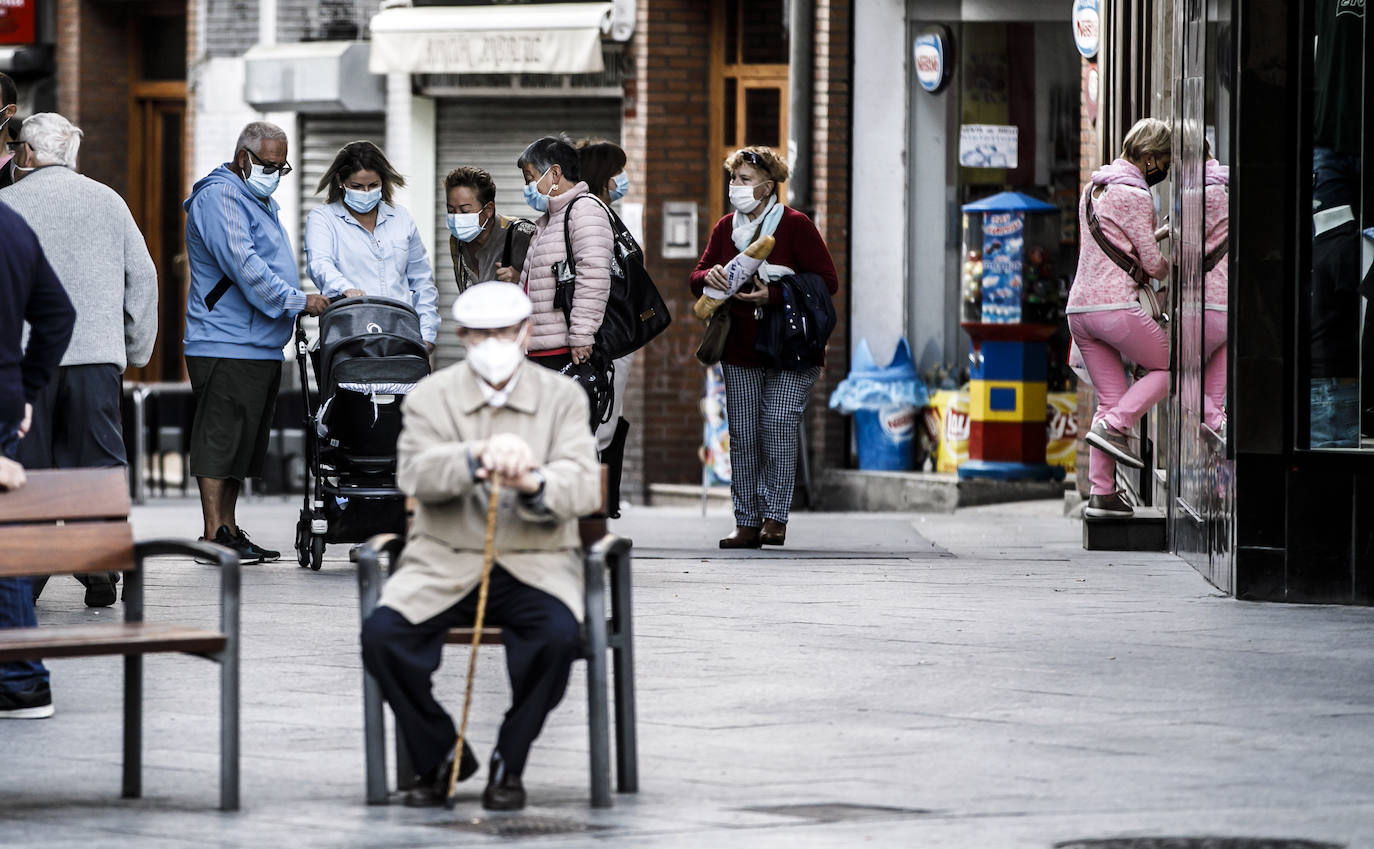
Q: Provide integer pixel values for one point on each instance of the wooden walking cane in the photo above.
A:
(488, 557)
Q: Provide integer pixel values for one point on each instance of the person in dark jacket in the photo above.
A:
(764, 405)
(29, 292)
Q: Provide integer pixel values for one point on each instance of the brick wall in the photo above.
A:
(307, 20)
(231, 26)
(93, 73)
(665, 136)
(1090, 159)
(830, 129)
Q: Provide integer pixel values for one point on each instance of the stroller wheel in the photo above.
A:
(316, 553)
(303, 540)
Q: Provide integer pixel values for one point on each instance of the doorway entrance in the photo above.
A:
(157, 135)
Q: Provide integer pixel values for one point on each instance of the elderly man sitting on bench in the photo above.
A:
(492, 416)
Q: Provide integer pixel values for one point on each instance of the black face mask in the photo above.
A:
(1154, 174)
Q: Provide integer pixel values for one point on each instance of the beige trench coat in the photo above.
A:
(442, 561)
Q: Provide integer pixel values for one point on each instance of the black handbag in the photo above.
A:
(712, 346)
(635, 311)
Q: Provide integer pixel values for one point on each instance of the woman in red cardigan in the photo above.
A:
(764, 405)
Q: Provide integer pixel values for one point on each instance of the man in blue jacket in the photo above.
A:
(244, 297)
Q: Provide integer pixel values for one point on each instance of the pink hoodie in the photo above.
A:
(1127, 214)
(1215, 219)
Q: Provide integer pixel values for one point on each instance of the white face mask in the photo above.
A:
(495, 360)
(742, 198)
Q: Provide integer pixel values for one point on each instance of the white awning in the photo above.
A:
(550, 38)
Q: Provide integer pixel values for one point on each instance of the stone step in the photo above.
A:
(1147, 530)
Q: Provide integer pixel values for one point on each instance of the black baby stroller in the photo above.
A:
(370, 355)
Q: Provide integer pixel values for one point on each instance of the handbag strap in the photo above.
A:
(506, 252)
(1127, 262)
(1215, 256)
(568, 249)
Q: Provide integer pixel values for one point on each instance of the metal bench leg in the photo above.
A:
(623, 656)
(133, 726)
(374, 741)
(598, 714)
(133, 690)
(229, 686)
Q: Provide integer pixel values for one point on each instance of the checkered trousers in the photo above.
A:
(764, 407)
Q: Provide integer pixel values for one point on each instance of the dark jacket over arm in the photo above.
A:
(29, 292)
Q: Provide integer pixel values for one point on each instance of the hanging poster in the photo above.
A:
(988, 145)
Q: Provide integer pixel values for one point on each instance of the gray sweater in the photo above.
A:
(95, 247)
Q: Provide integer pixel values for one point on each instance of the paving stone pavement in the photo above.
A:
(973, 680)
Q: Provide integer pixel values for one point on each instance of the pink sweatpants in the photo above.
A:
(1105, 338)
(1214, 373)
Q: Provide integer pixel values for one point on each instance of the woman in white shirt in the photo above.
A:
(358, 243)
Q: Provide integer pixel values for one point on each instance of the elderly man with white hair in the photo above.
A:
(492, 416)
(244, 297)
(98, 253)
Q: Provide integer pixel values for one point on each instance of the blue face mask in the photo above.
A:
(260, 184)
(465, 226)
(622, 186)
(362, 202)
(538, 202)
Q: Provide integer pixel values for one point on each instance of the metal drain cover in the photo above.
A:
(526, 825)
(836, 811)
(1197, 842)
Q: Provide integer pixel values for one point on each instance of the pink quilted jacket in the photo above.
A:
(592, 243)
(1128, 221)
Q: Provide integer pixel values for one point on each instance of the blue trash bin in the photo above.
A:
(886, 403)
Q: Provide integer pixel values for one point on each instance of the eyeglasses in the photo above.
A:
(12, 146)
(270, 167)
(751, 157)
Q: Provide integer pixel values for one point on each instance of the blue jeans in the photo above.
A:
(1335, 412)
(1335, 178)
(16, 599)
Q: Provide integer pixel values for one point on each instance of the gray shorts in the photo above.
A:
(235, 401)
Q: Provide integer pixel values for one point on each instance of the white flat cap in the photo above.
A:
(492, 305)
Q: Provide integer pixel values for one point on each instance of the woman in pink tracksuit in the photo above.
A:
(1105, 316)
(1215, 286)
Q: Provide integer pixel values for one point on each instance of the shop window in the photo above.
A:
(1336, 366)
(749, 86)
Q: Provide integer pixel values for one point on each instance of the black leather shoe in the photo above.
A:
(504, 791)
(742, 537)
(431, 791)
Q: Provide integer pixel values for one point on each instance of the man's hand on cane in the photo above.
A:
(508, 458)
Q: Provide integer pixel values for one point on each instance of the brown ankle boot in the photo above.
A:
(774, 533)
(742, 537)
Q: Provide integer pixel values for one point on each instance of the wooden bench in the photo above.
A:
(602, 633)
(76, 521)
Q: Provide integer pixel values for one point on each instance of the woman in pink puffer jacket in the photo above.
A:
(552, 184)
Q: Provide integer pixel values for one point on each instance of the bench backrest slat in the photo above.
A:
(66, 549)
(50, 495)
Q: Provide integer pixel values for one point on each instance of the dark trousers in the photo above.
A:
(76, 424)
(16, 598)
(76, 421)
(541, 639)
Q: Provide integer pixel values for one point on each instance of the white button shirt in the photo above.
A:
(389, 262)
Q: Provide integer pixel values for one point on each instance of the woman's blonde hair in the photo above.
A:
(1149, 137)
(763, 158)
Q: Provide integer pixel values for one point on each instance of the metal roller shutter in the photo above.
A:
(491, 133)
(321, 138)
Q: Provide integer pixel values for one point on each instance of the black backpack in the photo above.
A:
(635, 311)
(792, 335)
